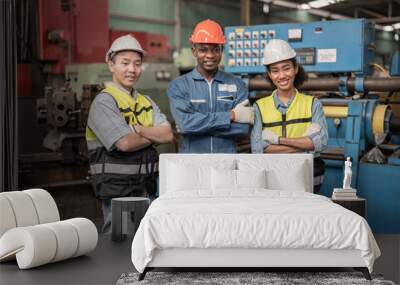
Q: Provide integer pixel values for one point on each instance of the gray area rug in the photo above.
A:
(243, 278)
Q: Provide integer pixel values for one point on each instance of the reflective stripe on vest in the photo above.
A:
(139, 111)
(108, 168)
(294, 123)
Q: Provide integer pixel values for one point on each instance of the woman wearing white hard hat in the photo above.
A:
(289, 121)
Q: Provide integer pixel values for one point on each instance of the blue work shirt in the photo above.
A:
(201, 110)
(320, 139)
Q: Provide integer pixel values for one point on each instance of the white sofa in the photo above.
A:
(31, 231)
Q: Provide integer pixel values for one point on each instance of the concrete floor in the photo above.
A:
(111, 259)
(389, 262)
(102, 266)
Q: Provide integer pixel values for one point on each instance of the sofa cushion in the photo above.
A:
(45, 205)
(7, 220)
(23, 208)
(40, 244)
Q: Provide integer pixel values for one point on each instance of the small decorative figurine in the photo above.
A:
(347, 174)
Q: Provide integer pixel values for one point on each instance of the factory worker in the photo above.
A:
(210, 107)
(123, 127)
(289, 121)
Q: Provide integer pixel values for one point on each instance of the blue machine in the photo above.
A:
(355, 126)
(395, 64)
(319, 46)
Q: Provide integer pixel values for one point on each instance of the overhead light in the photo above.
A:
(304, 6)
(316, 4)
(388, 28)
(266, 8)
(396, 26)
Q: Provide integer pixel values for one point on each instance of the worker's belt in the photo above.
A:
(120, 174)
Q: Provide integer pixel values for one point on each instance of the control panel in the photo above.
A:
(326, 46)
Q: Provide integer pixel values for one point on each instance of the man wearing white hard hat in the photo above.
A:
(123, 127)
(289, 121)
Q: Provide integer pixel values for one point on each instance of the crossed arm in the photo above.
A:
(145, 136)
(193, 122)
(314, 142)
(291, 145)
(106, 122)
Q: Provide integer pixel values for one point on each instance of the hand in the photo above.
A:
(312, 129)
(270, 137)
(242, 113)
(137, 129)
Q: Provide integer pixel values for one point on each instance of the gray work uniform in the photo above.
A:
(109, 126)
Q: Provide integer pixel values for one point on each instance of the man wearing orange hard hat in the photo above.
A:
(209, 106)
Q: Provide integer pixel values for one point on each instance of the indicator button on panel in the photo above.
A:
(255, 35)
(263, 35)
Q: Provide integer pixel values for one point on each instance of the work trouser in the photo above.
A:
(319, 170)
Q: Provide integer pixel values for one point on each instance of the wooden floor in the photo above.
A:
(110, 259)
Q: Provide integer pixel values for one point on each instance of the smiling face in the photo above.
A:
(208, 57)
(282, 74)
(126, 67)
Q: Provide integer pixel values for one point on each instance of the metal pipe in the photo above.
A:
(334, 102)
(245, 12)
(336, 111)
(371, 13)
(178, 25)
(386, 20)
(332, 84)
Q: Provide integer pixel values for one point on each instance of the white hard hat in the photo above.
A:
(277, 50)
(126, 42)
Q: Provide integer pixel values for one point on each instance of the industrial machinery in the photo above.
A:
(72, 48)
(339, 57)
(66, 71)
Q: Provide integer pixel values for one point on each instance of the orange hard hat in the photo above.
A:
(207, 32)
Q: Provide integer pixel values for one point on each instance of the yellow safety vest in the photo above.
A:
(139, 111)
(294, 123)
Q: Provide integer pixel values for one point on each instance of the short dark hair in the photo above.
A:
(300, 77)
